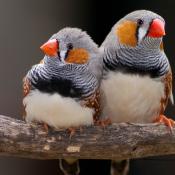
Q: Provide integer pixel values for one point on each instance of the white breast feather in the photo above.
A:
(56, 110)
(132, 98)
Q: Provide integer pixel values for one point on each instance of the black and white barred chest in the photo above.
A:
(68, 83)
(153, 63)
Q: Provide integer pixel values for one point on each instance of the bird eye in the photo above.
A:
(140, 22)
(69, 46)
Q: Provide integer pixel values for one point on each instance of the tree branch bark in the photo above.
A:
(118, 141)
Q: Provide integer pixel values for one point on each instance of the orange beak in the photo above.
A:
(50, 48)
(157, 29)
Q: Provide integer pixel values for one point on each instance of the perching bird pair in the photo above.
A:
(127, 79)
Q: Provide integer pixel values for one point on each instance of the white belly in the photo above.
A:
(132, 98)
(56, 111)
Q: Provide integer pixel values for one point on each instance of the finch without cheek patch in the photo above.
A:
(126, 32)
(78, 56)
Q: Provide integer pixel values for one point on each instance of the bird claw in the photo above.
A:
(167, 121)
(46, 127)
(71, 131)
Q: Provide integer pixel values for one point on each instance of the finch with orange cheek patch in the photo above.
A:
(137, 80)
(137, 71)
(63, 91)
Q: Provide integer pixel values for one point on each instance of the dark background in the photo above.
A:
(25, 25)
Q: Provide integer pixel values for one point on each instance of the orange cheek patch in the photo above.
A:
(126, 32)
(77, 56)
(161, 45)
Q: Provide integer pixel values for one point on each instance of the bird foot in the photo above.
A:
(167, 121)
(72, 131)
(104, 122)
(46, 127)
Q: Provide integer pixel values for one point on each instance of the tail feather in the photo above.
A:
(69, 166)
(120, 167)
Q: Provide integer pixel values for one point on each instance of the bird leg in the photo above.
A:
(167, 121)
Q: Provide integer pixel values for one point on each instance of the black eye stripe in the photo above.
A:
(139, 23)
(137, 33)
(69, 47)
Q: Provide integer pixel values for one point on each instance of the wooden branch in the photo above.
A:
(118, 141)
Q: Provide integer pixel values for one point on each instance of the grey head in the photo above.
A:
(138, 28)
(74, 46)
